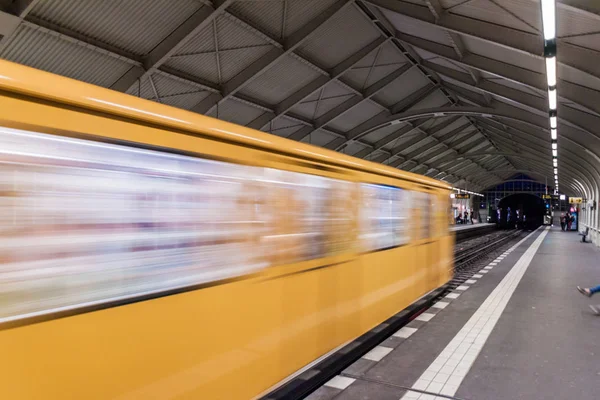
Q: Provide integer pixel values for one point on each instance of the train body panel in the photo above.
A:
(233, 336)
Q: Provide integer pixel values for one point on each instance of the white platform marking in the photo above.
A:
(377, 353)
(477, 276)
(405, 332)
(441, 305)
(453, 295)
(425, 317)
(340, 382)
(460, 354)
(484, 271)
(470, 281)
(462, 287)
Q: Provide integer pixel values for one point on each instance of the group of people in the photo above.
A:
(566, 220)
(465, 217)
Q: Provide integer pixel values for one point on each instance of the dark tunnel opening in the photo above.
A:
(521, 210)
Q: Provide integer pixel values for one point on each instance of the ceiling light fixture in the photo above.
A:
(549, 19)
(551, 71)
(552, 99)
(549, 28)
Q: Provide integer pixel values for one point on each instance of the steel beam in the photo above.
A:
(202, 18)
(442, 140)
(21, 8)
(322, 81)
(274, 56)
(457, 44)
(568, 115)
(577, 94)
(413, 99)
(572, 56)
(435, 8)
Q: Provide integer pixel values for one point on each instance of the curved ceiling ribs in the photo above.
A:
(455, 91)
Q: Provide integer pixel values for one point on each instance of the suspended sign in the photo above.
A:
(575, 200)
(547, 196)
(462, 196)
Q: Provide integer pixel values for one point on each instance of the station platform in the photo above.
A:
(518, 329)
(467, 231)
(466, 227)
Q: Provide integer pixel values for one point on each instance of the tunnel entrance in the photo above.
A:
(521, 210)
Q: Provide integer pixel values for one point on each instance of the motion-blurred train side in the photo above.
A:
(150, 252)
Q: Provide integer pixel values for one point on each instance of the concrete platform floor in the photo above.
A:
(517, 330)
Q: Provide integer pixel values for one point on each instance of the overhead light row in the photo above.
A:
(549, 23)
(467, 191)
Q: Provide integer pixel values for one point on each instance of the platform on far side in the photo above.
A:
(517, 330)
(462, 227)
(466, 231)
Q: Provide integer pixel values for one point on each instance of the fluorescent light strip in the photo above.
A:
(555, 162)
(556, 170)
(552, 99)
(553, 134)
(549, 19)
(554, 153)
(553, 122)
(554, 146)
(551, 71)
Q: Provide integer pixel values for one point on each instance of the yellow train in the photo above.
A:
(152, 253)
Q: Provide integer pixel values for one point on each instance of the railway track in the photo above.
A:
(468, 258)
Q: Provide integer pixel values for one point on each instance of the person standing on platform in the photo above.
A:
(562, 222)
(589, 292)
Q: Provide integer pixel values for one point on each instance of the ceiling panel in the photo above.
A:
(504, 55)
(434, 100)
(356, 115)
(267, 16)
(53, 52)
(319, 138)
(276, 84)
(379, 134)
(416, 28)
(346, 33)
(486, 10)
(408, 83)
(135, 26)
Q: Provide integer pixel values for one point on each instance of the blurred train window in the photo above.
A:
(83, 222)
(442, 210)
(383, 222)
(424, 203)
(311, 218)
